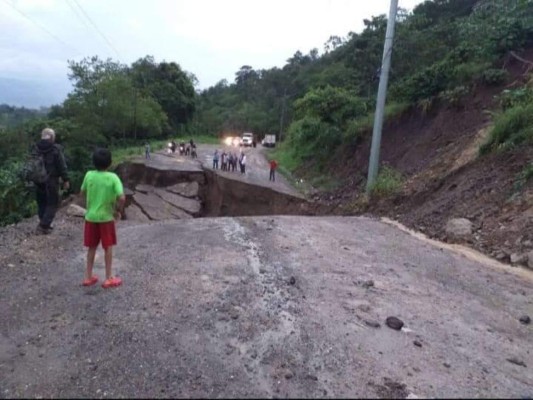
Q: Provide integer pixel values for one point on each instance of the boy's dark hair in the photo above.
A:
(102, 159)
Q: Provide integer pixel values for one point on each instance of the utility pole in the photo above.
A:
(373, 163)
(282, 114)
(135, 113)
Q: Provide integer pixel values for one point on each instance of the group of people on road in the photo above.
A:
(229, 161)
(189, 149)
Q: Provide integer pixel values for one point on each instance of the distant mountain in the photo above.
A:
(31, 93)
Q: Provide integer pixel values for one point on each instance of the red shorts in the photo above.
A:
(96, 232)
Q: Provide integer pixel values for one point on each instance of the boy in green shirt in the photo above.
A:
(105, 203)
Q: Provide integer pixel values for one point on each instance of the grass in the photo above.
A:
(511, 128)
(388, 182)
(121, 154)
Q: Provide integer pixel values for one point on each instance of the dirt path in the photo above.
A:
(270, 307)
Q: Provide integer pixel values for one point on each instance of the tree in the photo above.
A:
(169, 85)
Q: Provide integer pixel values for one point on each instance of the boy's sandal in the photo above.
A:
(90, 282)
(112, 282)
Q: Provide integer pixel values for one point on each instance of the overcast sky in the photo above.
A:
(210, 38)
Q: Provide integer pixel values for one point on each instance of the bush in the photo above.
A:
(512, 127)
(313, 141)
(454, 96)
(466, 73)
(424, 84)
(514, 97)
(494, 77)
(16, 201)
(388, 182)
(359, 127)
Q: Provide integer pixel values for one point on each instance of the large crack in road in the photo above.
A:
(179, 188)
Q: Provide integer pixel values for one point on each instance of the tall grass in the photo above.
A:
(388, 182)
(513, 127)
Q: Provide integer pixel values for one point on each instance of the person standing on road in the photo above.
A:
(243, 163)
(235, 161)
(105, 205)
(47, 193)
(215, 160)
(147, 151)
(230, 161)
(223, 160)
(273, 166)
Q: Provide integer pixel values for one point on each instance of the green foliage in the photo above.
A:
(494, 77)
(360, 127)
(424, 84)
(388, 182)
(11, 117)
(510, 98)
(454, 96)
(466, 73)
(330, 105)
(105, 101)
(169, 86)
(311, 139)
(16, 200)
(513, 127)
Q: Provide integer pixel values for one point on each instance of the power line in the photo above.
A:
(96, 28)
(40, 26)
(78, 15)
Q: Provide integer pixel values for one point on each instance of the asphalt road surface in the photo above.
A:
(259, 307)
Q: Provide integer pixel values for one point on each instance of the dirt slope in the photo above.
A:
(437, 152)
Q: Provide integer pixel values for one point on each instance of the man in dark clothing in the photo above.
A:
(48, 192)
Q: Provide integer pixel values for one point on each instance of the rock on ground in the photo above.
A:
(74, 210)
(459, 228)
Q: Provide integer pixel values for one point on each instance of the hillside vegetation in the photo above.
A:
(318, 103)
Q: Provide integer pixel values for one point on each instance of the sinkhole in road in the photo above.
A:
(156, 192)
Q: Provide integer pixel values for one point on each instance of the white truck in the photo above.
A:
(247, 139)
(269, 141)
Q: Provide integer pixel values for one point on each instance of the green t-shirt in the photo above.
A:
(102, 190)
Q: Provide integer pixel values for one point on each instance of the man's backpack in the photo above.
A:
(35, 170)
